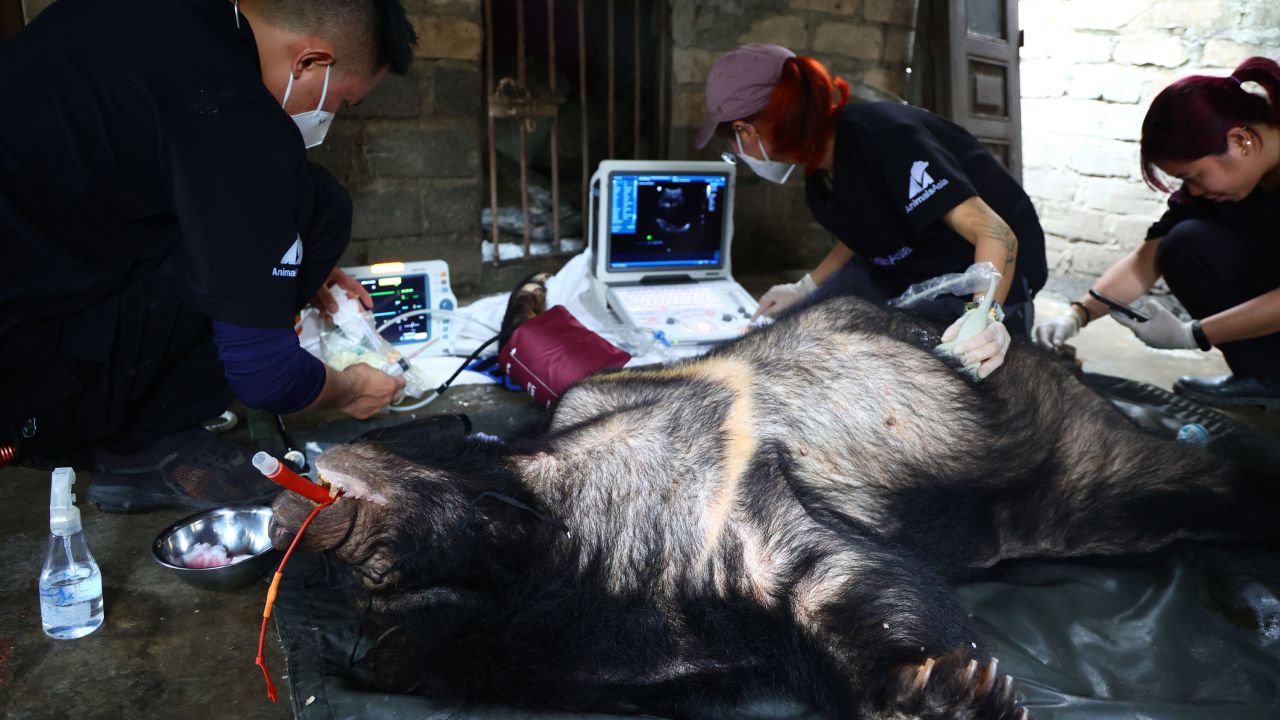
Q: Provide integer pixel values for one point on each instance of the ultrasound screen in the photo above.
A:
(666, 221)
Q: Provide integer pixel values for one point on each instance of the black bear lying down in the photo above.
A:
(784, 514)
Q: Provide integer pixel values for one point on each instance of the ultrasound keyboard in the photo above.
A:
(704, 312)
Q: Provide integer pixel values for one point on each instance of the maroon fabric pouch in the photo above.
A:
(552, 351)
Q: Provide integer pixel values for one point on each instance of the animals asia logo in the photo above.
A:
(292, 258)
(922, 185)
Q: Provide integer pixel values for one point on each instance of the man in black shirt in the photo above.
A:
(162, 226)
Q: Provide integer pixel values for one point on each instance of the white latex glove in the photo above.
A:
(1164, 330)
(781, 297)
(982, 353)
(1053, 334)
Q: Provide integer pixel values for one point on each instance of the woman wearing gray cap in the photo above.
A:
(909, 194)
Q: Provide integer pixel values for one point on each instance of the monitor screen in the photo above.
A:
(396, 294)
(666, 221)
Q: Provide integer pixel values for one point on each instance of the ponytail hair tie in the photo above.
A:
(1238, 80)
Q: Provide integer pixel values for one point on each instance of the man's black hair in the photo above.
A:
(381, 26)
(394, 37)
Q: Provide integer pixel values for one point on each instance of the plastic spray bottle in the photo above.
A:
(70, 583)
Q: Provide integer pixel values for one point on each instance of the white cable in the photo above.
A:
(444, 313)
(444, 386)
(416, 406)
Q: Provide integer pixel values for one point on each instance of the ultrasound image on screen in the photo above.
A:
(665, 221)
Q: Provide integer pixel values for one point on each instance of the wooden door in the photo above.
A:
(972, 61)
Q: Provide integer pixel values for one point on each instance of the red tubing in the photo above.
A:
(289, 480)
(7, 452)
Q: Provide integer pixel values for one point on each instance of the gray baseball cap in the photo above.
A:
(740, 84)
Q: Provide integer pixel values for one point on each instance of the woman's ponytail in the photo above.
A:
(803, 110)
(1266, 73)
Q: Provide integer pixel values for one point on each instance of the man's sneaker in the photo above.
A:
(1230, 391)
(193, 468)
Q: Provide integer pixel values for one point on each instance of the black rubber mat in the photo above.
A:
(1163, 413)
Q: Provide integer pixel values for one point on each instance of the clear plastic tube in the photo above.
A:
(443, 313)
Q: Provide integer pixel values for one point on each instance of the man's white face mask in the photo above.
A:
(315, 124)
(770, 170)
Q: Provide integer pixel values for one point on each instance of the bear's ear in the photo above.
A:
(527, 301)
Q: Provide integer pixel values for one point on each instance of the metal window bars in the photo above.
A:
(513, 99)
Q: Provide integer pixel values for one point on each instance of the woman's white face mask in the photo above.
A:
(770, 170)
(314, 124)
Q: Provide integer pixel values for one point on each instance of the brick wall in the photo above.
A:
(411, 153)
(1090, 69)
(865, 41)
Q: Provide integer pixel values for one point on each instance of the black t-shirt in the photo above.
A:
(1255, 219)
(132, 129)
(898, 170)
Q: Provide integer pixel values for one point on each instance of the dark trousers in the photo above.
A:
(131, 369)
(857, 278)
(1210, 269)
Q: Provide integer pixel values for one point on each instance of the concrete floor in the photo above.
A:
(168, 649)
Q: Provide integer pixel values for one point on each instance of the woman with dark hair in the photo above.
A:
(1218, 244)
(910, 195)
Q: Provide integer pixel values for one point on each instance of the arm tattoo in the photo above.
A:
(1004, 234)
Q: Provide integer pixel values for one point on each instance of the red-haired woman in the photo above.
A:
(1218, 244)
(909, 195)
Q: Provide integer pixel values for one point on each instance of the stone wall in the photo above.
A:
(1090, 69)
(411, 153)
(865, 41)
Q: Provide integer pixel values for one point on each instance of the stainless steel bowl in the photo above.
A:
(241, 529)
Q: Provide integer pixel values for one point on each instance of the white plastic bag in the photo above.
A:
(349, 336)
(975, 278)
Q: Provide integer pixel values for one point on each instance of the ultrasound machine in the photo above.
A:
(660, 234)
